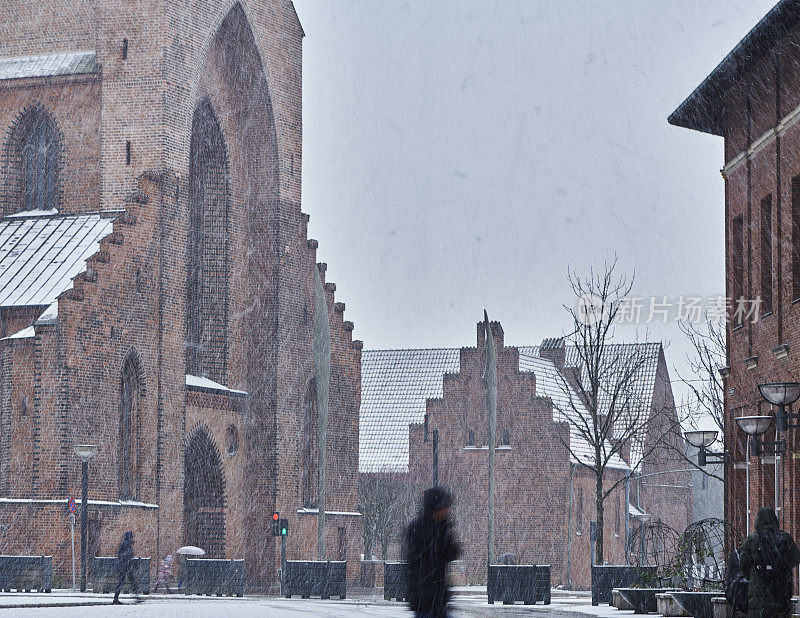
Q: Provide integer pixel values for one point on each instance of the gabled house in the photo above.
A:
(423, 414)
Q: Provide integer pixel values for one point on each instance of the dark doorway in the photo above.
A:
(342, 543)
(204, 496)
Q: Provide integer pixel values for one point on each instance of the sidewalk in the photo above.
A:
(67, 598)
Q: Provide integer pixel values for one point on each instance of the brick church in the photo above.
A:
(156, 285)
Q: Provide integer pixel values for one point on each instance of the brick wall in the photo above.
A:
(544, 504)
(761, 159)
(533, 475)
(245, 58)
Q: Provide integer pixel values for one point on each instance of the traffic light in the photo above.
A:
(275, 524)
(284, 527)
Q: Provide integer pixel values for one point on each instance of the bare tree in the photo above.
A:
(602, 400)
(386, 503)
(704, 401)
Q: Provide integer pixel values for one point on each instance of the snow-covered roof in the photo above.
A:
(25, 333)
(644, 357)
(46, 65)
(550, 383)
(395, 385)
(200, 383)
(40, 255)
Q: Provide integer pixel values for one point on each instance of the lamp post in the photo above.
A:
(753, 427)
(781, 394)
(85, 452)
(701, 440)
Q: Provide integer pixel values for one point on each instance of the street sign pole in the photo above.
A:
(283, 560)
(72, 531)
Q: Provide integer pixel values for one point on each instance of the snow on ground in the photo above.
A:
(466, 604)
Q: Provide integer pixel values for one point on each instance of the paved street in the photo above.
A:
(465, 606)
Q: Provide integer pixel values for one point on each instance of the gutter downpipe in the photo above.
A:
(569, 528)
(747, 483)
(627, 509)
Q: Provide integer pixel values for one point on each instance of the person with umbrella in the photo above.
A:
(125, 570)
(183, 553)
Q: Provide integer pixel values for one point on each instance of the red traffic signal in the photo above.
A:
(276, 516)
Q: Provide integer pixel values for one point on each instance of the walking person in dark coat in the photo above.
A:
(125, 570)
(429, 545)
(767, 558)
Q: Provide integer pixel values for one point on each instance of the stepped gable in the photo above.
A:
(395, 388)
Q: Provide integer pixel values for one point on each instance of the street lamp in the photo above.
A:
(755, 426)
(85, 452)
(701, 440)
(781, 394)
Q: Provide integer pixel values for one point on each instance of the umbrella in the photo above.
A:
(191, 550)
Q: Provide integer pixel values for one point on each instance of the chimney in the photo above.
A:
(553, 349)
(497, 333)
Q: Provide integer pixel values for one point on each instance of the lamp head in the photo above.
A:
(700, 439)
(780, 393)
(754, 425)
(85, 451)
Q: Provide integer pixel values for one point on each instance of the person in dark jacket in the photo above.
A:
(125, 570)
(767, 558)
(429, 545)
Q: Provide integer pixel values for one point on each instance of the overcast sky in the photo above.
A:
(463, 154)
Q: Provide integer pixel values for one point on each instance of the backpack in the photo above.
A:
(736, 583)
(771, 563)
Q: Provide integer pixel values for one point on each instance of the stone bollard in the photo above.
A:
(668, 606)
(723, 610)
(619, 602)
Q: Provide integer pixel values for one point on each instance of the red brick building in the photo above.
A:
(156, 285)
(752, 100)
(544, 496)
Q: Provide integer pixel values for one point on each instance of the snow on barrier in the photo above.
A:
(395, 576)
(214, 576)
(315, 578)
(607, 577)
(26, 573)
(104, 575)
(527, 583)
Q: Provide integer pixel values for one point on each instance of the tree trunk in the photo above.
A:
(385, 551)
(598, 545)
(367, 545)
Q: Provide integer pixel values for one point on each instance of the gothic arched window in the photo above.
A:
(129, 431)
(34, 151)
(207, 284)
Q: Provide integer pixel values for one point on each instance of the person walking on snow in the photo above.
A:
(430, 544)
(125, 571)
(165, 573)
(767, 558)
